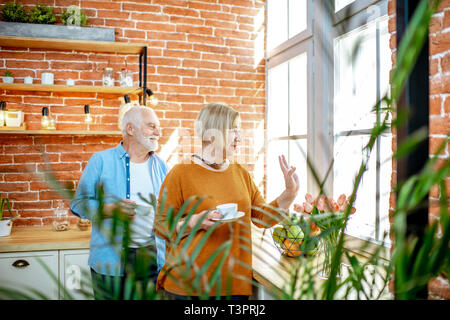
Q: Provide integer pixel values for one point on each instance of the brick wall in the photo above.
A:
(439, 120)
(198, 52)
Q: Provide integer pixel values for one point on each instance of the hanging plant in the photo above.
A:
(42, 14)
(14, 12)
(74, 16)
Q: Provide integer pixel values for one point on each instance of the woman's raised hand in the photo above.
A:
(290, 177)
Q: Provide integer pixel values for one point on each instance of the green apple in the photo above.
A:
(279, 234)
(295, 233)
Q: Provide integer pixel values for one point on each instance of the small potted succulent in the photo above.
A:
(42, 15)
(74, 16)
(8, 78)
(14, 12)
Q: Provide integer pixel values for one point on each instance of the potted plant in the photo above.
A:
(42, 15)
(14, 12)
(8, 78)
(5, 223)
(74, 16)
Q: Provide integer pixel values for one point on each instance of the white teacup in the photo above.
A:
(227, 209)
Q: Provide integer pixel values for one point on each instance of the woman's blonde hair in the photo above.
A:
(215, 118)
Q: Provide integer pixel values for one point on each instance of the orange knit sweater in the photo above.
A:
(232, 185)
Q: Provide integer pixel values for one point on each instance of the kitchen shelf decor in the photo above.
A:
(78, 45)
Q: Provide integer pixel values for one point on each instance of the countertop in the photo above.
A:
(44, 238)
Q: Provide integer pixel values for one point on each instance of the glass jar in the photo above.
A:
(126, 78)
(108, 79)
(61, 219)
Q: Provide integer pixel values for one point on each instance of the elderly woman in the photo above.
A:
(212, 175)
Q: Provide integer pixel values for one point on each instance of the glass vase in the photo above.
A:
(328, 247)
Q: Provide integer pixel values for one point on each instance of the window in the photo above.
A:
(288, 78)
(320, 100)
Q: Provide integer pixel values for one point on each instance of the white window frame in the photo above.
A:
(319, 47)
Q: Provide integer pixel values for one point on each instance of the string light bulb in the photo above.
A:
(2, 113)
(153, 100)
(47, 122)
(87, 114)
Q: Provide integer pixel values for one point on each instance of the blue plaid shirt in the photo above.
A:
(112, 169)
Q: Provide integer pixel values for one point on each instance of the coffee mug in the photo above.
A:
(227, 209)
(28, 80)
(47, 78)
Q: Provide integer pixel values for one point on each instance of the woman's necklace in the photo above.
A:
(209, 164)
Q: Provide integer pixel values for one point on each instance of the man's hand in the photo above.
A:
(127, 206)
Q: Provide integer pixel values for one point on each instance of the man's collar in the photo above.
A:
(122, 152)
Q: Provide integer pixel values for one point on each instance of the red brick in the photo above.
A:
(183, 98)
(176, 71)
(10, 64)
(211, 49)
(23, 196)
(201, 81)
(6, 159)
(13, 168)
(32, 205)
(180, 11)
(439, 43)
(60, 167)
(217, 16)
(17, 186)
(186, 20)
(205, 6)
(435, 105)
(188, 63)
(101, 5)
(215, 74)
(35, 158)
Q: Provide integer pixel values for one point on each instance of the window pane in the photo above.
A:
(275, 180)
(297, 17)
(278, 103)
(297, 158)
(298, 95)
(347, 160)
(385, 185)
(339, 4)
(285, 19)
(277, 28)
(385, 56)
(355, 80)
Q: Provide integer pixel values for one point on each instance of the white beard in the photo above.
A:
(150, 145)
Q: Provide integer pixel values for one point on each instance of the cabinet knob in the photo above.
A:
(20, 264)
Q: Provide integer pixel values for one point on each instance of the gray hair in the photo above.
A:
(215, 117)
(133, 116)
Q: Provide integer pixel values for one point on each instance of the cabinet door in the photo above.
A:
(22, 271)
(75, 275)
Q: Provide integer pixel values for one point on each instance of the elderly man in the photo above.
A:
(126, 172)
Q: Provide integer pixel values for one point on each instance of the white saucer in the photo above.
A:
(234, 217)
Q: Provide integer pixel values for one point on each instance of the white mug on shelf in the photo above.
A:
(47, 78)
(28, 80)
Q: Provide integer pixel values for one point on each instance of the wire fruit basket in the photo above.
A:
(289, 241)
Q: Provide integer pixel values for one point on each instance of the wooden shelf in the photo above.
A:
(60, 132)
(64, 88)
(78, 45)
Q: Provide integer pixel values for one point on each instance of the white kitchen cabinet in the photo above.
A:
(22, 271)
(74, 274)
(67, 268)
